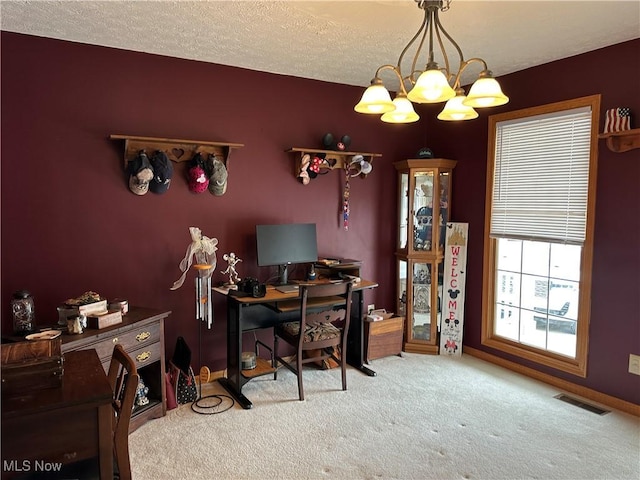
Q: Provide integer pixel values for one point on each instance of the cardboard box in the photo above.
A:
(383, 337)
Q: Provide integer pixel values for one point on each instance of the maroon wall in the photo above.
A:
(615, 308)
(70, 224)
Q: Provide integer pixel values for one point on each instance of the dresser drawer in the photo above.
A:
(133, 340)
(146, 355)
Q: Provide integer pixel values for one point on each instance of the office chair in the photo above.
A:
(320, 328)
(123, 378)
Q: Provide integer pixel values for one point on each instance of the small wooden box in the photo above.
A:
(31, 365)
(383, 338)
(104, 320)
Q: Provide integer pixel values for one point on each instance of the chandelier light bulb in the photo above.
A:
(404, 112)
(485, 92)
(431, 87)
(375, 100)
(455, 110)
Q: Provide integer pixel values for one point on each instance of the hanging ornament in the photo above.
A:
(345, 199)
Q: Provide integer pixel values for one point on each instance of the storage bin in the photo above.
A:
(383, 338)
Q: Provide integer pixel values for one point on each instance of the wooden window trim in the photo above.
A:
(578, 365)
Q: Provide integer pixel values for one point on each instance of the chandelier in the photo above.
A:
(434, 84)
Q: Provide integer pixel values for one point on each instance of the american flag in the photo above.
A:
(617, 119)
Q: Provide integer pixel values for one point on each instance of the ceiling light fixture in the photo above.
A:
(434, 83)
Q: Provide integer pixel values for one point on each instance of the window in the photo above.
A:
(541, 177)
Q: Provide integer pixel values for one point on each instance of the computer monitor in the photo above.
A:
(284, 244)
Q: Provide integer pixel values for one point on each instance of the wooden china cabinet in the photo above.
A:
(424, 193)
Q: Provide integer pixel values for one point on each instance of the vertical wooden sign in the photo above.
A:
(455, 270)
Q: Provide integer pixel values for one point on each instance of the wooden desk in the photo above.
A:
(60, 425)
(248, 313)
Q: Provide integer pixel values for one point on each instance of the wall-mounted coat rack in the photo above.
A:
(176, 149)
(335, 159)
(622, 141)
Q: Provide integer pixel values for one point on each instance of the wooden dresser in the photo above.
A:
(141, 333)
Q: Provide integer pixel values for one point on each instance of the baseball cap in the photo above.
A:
(219, 175)
(140, 173)
(425, 152)
(197, 177)
(162, 172)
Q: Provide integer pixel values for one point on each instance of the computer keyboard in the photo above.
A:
(287, 288)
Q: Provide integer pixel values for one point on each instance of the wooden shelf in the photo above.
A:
(337, 158)
(622, 141)
(177, 150)
(263, 367)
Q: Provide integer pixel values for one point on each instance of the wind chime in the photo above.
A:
(203, 249)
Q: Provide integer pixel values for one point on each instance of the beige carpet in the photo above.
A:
(422, 417)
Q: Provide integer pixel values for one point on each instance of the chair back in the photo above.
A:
(320, 333)
(311, 314)
(123, 378)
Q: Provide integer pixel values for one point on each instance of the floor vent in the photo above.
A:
(581, 404)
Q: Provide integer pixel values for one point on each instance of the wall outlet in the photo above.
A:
(370, 308)
(634, 364)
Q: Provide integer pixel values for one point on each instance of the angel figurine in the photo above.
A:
(232, 260)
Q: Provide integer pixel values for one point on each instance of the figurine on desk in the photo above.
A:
(234, 278)
(312, 275)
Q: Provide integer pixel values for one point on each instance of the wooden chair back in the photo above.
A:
(309, 314)
(123, 378)
(314, 340)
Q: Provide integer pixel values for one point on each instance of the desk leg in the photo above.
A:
(355, 351)
(234, 379)
(243, 401)
(105, 441)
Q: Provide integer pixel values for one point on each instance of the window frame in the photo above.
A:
(578, 365)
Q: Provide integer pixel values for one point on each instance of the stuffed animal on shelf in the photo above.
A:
(141, 394)
(331, 143)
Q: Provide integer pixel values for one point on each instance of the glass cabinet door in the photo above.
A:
(401, 300)
(444, 207)
(421, 301)
(426, 299)
(403, 220)
(423, 211)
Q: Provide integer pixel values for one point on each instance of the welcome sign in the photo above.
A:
(455, 268)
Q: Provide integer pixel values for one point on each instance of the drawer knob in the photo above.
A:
(141, 337)
(143, 357)
(115, 340)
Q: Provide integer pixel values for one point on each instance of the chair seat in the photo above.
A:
(312, 333)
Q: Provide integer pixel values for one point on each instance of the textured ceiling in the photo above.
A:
(335, 41)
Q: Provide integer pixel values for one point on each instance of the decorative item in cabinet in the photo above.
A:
(424, 190)
(141, 333)
(333, 159)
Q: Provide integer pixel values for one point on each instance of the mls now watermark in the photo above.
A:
(30, 466)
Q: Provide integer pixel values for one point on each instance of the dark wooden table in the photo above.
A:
(249, 313)
(43, 429)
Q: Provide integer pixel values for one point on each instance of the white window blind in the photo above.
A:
(541, 177)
